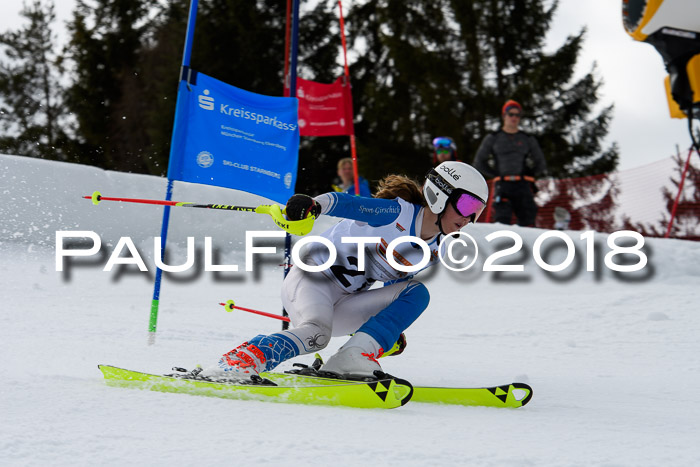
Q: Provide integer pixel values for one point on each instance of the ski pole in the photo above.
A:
(231, 305)
(301, 227)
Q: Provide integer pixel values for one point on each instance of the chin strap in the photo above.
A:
(439, 224)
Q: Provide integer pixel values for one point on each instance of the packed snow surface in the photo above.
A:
(614, 358)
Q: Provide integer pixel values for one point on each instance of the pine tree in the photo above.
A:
(32, 119)
(434, 68)
(407, 86)
(686, 222)
(509, 37)
(106, 37)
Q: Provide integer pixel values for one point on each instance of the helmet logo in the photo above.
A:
(451, 171)
(442, 184)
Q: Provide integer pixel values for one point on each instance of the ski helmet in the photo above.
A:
(459, 184)
(444, 143)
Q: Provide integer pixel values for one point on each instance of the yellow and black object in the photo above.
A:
(673, 28)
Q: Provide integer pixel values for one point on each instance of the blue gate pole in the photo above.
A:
(186, 55)
(292, 93)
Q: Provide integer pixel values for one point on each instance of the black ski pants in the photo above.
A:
(514, 198)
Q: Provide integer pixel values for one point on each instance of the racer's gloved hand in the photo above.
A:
(302, 206)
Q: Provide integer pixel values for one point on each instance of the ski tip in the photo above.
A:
(527, 389)
(408, 394)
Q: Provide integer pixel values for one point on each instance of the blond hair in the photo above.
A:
(400, 186)
(343, 161)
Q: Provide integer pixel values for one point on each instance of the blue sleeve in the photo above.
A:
(374, 211)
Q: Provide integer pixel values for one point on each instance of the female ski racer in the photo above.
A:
(338, 301)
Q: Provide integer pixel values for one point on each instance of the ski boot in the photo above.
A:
(243, 363)
(357, 359)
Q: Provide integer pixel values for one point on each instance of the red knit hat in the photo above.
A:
(510, 104)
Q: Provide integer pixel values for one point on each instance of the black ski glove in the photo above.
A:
(302, 206)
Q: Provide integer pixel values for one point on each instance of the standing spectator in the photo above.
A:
(444, 149)
(516, 158)
(347, 183)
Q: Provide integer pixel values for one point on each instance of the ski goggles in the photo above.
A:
(467, 205)
(442, 143)
(443, 151)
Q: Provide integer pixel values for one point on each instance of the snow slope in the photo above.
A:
(614, 358)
